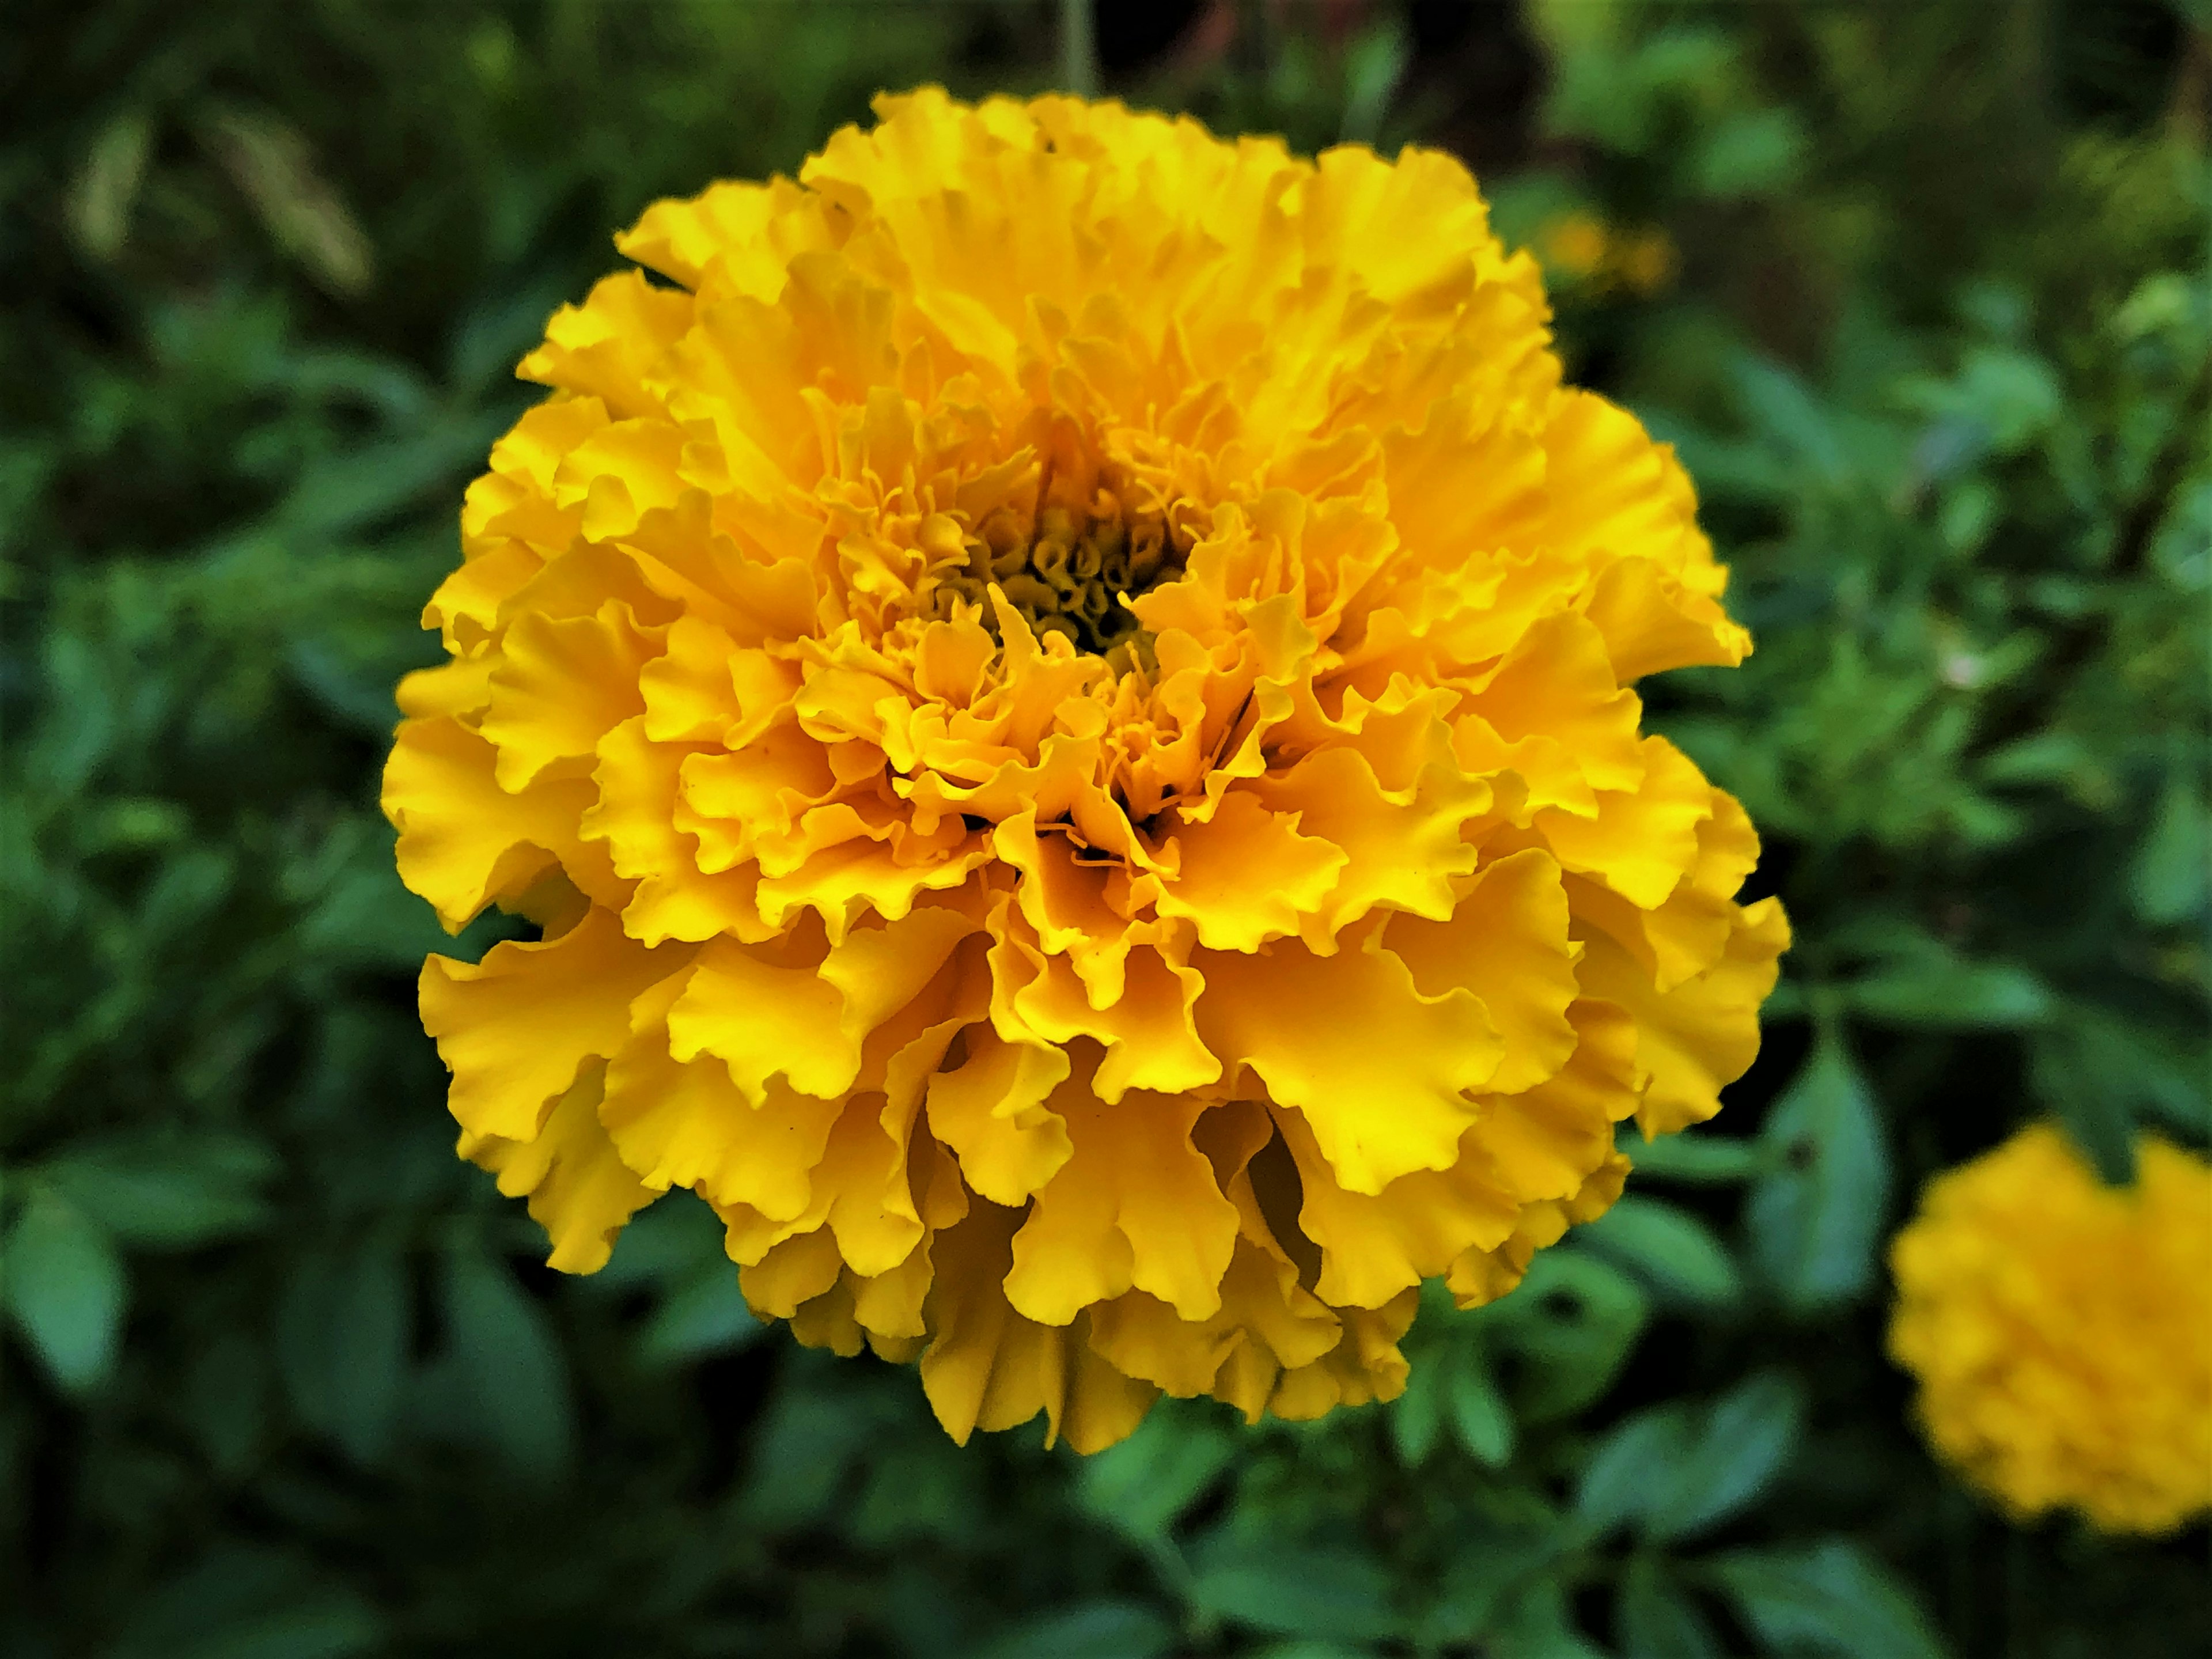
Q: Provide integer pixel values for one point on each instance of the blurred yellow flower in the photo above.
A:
(1646, 261)
(1574, 245)
(1058, 690)
(1582, 251)
(2062, 1330)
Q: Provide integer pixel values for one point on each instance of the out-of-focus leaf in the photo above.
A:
(2098, 1069)
(1750, 152)
(1967, 996)
(243, 1603)
(1667, 1248)
(707, 1316)
(1479, 1416)
(1494, 1563)
(65, 1286)
(802, 1454)
(2086, 1069)
(107, 190)
(504, 1346)
(1093, 1630)
(1417, 1416)
(1744, 1441)
(1694, 1159)
(1572, 1323)
(2168, 879)
(167, 1190)
(271, 163)
(1780, 405)
(1634, 1466)
(1537, 1622)
(1291, 1591)
(1815, 1218)
(370, 483)
(1143, 1483)
(1832, 1598)
(343, 1331)
(1373, 68)
(226, 1399)
(1654, 1617)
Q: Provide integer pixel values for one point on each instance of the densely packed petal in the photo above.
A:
(1059, 688)
(2061, 1330)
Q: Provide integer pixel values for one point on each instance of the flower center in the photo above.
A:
(1067, 571)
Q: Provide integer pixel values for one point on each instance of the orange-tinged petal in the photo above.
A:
(516, 1029)
(1379, 1069)
(580, 1189)
(1136, 1204)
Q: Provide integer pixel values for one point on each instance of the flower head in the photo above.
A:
(1058, 690)
(2061, 1330)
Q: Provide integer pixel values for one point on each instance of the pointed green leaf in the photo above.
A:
(343, 1331)
(1742, 1444)
(1143, 1484)
(1816, 1218)
(66, 1287)
(505, 1347)
(1832, 1598)
(1655, 1617)
(1635, 1467)
(1668, 1248)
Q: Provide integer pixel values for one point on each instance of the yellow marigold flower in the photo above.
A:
(1059, 692)
(2062, 1330)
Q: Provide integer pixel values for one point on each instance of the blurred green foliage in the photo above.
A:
(1924, 302)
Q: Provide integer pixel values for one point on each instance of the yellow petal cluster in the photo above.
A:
(2062, 1330)
(1058, 688)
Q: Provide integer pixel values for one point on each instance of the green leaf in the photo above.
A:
(1961, 996)
(811, 1437)
(504, 1345)
(1669, 1249)
(1496, 1561)
(1537, 1622)
(245, 1603)
(271, 164)
(1146, 1483)
(1572, 1322)
(2099, 1070)
(1090, 1629)
(1417, 1416)
(1694, 1159)
(707, 1316)
(1634, 1466)
(1479, 1416)
(1372, 70)
(1656, 1619)
(1816, 1218)
(65, 1286)
(167, 1191)
(343, 1331)
(1742, 1444)
(1750, 152)
(1832, 1598)
(226, 1399)
(2092, 1077)
(107, 189)
(2167, 882)
(1289, 1592)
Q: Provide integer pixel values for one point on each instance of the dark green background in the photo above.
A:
(282, 1379)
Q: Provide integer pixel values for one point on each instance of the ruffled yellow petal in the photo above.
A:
(516, 1029)
(581, 1191)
